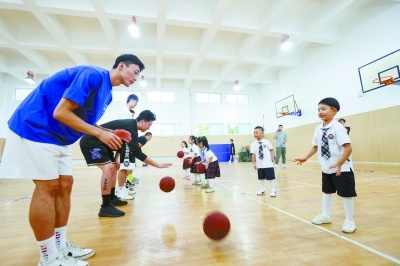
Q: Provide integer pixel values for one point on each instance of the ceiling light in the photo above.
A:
(133, 29)
(143, 83)
(30, 78)
(285, 42)
(236, 85)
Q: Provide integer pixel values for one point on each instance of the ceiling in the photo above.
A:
(184, 44)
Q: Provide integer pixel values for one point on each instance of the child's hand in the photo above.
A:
(300, 161)
(338, 168)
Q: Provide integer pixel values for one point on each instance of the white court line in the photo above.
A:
(8, 203)
(377, 252)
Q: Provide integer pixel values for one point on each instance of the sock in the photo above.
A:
(187, 172)
(61, 237)
(47, 249)
(106, 200)
(348, 204)
(120, 189)
(130, 177)
(272, 185)
(262, 182)
(202, 177)
(196, 177)
(112, 193)
(326, 204)
(210, 182)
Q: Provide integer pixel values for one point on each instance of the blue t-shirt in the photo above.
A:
(88, 86)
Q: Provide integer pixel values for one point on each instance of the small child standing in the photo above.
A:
(212, 165)
(332, 143)
(263, 158)
(194, 153)
(186, 167)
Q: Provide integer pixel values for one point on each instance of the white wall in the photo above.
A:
(333, 72)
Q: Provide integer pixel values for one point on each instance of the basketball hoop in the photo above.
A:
(283, 113)
(297, 113)
(385, 80)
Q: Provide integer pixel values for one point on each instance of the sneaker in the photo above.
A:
(77, 252)
(123, 194)
(273, 194)
(110, 211)
(210, 190)
(188, 177)
(128, 184)
(261, 192)
(200, 183)
(320, 219)
(205, 186)
(117, 202)
(276, 166)
(131, 190)
(145, 164)
(195, 182)
(65, 260)
(284, 166)
(349, 227)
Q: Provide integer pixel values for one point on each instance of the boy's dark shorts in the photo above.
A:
(97, 155)
(344, 184)
(266, 173)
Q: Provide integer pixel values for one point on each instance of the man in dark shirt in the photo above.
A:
(343, 122)
(99, 154)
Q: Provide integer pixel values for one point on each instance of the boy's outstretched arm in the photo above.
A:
(313, 150)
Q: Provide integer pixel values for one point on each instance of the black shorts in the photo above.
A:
(98, 155)
(266, 173)
(343, 184)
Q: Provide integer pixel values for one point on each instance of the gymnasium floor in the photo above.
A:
(166, 228)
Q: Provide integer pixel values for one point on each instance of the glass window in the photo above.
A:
(163, 129)
(21, 94)
(237, 98)
(202, 97)
(121, 96)
(214, 98)
(207, 129)
(158, 96)
(234, 129)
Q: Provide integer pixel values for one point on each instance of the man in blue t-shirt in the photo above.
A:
(56, 114)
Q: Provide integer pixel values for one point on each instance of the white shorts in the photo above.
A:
(25, 159)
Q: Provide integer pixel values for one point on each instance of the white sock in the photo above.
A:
(187, 173)
(47, 249)
(262, 182)
(120, 189)
(326, 204)
(196, 177)
(210, 182)
(203, 177)
(348, 204)
(272, 185)
(61, 237)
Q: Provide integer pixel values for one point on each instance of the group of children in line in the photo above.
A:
(332, 143)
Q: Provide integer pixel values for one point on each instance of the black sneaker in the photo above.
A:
(110, 211)
(117, 202)
(128, 184)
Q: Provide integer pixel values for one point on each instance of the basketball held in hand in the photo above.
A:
(123, 135)
(188, 161)
(180, 154)
(216, 225)
(167, 184)
(200, 168)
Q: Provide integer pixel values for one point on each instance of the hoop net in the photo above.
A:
(385, 80)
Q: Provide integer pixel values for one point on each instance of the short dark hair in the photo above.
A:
(132, 97)
(193, 138)
(342, 119)
(332, 102)
(148, 134)
(259, 127)
(147, 116)
(128, 59)
(280, 126)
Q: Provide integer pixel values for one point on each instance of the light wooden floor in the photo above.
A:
(166, 228)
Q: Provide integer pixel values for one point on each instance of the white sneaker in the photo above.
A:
(131, 190)
(284, 166)
(349, 227)
(320, 219)
(77, 252)
(65, 260)
(273, 193)
(123, 194)
(261, 192)
(210, 190)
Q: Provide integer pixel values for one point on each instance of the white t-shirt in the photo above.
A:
(208, 154)
(194, 149)
(185, 154)
(266, 162)
(337, 136)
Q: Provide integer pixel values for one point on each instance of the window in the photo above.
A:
(208, 98)
(121, 96)
(234, 129)
(163, 129)
(21, 94)
(158, 96)
(207, 129)
(237, 98)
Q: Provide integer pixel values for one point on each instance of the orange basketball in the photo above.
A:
(216, 225)
(200, 168)
(167, 184)
(180, 154)
(188, 161)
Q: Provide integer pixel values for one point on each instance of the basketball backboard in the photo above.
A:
(286, 106)
(373, 75)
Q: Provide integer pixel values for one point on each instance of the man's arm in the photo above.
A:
(64, 114)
